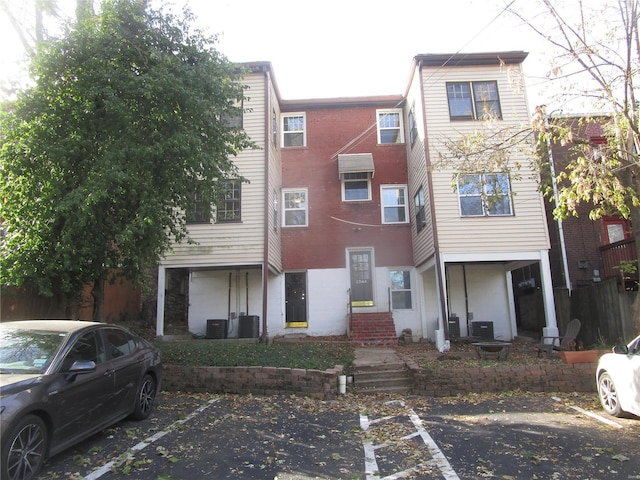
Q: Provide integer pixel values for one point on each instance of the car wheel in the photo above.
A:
(145, 398)
(24, 450)
(609, 395)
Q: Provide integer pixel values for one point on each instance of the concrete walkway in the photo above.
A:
(368, 356)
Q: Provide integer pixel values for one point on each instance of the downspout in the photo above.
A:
(563, 247)
(267, 149)
(439, 273)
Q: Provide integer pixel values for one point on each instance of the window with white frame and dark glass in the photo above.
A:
(293, 130)
(356, 186)
(473, 100)
(484, 194)
(200, 210)
(294, 207)
(228, 207)
(234, 118)
(400, 281)
(394, 203)
(418, 202)
(413, 125)
(276, 220)
(390, 128)
(274, 127)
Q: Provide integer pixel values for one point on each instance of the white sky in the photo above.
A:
(343, 48)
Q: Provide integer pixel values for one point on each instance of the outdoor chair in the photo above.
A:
(564, 343)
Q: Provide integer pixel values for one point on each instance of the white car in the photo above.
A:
(618, 379)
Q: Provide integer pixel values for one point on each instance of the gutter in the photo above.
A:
(267, 149)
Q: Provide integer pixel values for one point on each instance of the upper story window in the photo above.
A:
(274, 127)
(295, 207)
(390, 128)
(484, 194)
(294, 133)
(421, 218)
(413, 125)
(230, 201)
(234, 119)
(473, 100)
(356, 186)
(276, 220)
(394, 203)
(200, 211)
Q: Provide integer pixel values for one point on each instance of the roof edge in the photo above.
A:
(470, 59)
(386, 101)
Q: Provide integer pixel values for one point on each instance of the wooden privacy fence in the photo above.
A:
(604, 309)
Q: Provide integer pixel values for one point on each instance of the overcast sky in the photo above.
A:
(342, 48)
(337, 48)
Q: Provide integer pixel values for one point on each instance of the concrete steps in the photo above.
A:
(382, 378)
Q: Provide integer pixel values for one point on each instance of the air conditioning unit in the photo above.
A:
(248, 326)
(217, 328)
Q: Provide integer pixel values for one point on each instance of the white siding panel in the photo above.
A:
(275, 185)
(423, 242)
(526, 230)
(242, 242)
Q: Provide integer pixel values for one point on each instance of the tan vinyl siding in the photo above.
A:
(526, 229)
(232, 243)
(423, 244)
(275, 184)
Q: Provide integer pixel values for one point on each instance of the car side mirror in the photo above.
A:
(623, 349)
(80, 366)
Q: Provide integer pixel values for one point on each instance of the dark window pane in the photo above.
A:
(460, 103)
(471, 206)
(358, 190)
(486, 99)
(401, 300)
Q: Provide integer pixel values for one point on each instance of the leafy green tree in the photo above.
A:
(101, 157)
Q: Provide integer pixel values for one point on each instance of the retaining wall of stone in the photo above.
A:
(557, 377)
(255, 380)
(560, 377)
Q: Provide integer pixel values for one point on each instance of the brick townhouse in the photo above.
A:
(348, 226)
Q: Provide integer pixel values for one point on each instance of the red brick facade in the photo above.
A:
(335, 225)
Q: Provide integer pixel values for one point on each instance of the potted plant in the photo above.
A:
(577, 354)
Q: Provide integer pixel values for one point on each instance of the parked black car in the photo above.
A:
(62, 381)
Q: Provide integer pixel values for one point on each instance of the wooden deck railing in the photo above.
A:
(616, 256)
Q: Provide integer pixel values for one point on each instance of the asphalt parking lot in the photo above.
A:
(507, 436)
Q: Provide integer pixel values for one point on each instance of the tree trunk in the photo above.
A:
(98, 300)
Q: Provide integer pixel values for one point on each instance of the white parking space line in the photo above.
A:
(595, 416)
(129, 454)
(438, 459)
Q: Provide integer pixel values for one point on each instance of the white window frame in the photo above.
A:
(484, 193)
(475, 103)
(383, 127)
(347, 178)
(384, 206)
(303, 130)
(420, 209)
(403, 270)
(413, 125)
(303, 207)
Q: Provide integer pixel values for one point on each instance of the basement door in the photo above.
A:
(295, 299)
(361, 272)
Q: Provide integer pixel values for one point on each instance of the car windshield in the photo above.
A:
(27, 351)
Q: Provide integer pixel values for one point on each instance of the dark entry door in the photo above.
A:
(361, 271)
(296, 299)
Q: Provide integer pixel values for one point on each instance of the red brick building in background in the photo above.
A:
(354, 215)
(585, 251)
